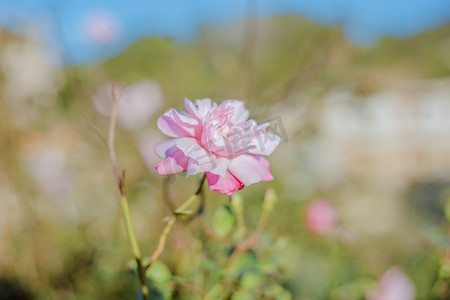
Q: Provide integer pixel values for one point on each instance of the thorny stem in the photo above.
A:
(124, 201)
(181, 210)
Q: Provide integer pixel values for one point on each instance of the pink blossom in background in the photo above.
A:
(218, 140)
(102, 27)
(320, 217)
(137, 102)
(393, 285)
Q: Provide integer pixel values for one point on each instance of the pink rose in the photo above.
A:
(393, 285)
(320, 217)
(218, 140)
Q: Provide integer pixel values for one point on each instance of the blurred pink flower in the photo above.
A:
(137, 102)
(393, 285)
(102, 27)
(320, 217)
(218, 140)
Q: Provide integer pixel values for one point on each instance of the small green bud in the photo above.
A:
(223, 221)
(270, 197)
(158, 272)
(236, 204)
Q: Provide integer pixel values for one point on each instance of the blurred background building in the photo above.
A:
(391, 137)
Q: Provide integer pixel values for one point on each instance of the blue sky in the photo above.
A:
(86, 31)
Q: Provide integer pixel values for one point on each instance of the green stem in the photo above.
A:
(124, 201)
(170, 222)
(134, 246)
(182, 208)
(129, 226)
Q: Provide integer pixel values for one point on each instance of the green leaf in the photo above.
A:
(243, 295)
(246, 263)
(356, 289)
(267, 267)
(207, 264)
(251, 280)
(159, 278)
(158, 272)
(223, 221)
(160, 292)
(276, 291)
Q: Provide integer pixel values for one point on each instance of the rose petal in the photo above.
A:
(192, 109)
(177, 124)
(264, 143)
(214, 141)
(201, 160)
(161, 148)
(225, 185)
(250, 169)
(204, 107)
(240, 113)
(191, 148)
(216, 166)
(175, 163)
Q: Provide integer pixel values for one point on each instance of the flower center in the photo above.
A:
(225, 129)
